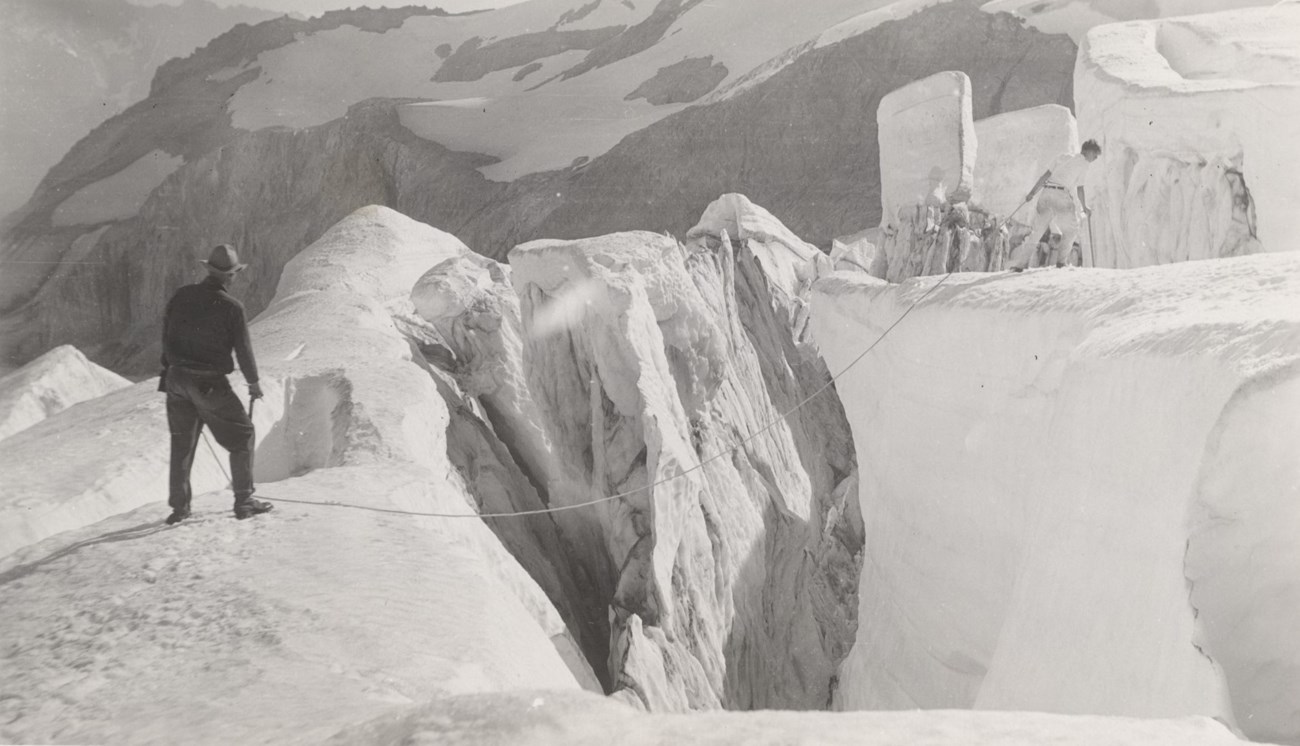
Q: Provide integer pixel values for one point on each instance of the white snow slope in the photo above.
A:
(288, 627)
(1196, 118)
(50, 384)
(1081, 490)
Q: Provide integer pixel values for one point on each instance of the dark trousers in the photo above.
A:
(195, 400)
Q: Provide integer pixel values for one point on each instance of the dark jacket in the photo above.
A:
(203, 324)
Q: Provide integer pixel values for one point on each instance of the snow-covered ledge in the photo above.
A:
(1081, 490)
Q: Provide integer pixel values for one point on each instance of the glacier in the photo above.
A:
(1063, 478)
(1194, 117)
(997, 514)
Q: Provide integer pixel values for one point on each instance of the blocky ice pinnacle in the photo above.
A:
(1197, 117)
(927, 138)
(1014, 149)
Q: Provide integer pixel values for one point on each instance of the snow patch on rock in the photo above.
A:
(536, 122)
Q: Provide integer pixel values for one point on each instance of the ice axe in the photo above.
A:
(1092, 252)
(1007, 219)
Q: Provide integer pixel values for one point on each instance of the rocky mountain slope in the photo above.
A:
(801, 140)
(75, 63)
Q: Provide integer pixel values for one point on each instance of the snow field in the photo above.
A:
(1030, 467)
(283, 629)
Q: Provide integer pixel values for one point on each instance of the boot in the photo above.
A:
(248, 507)
(178, 515)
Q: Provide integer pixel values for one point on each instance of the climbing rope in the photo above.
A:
(609, 498)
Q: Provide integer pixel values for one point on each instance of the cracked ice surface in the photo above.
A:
(1080, 490)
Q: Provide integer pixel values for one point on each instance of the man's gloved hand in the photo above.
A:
(254, 390)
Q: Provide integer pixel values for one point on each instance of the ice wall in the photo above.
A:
(1079, 490)
(662, 370)
(1015, 148)
(927, 143)
(954, 189)
(1196, 119)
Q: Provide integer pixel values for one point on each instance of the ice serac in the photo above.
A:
(1194, 115)
(50, 384)
(466, 323)
(663, 370)
(1015, 148)
(927, 143)
(929, 222)
(1111, 531)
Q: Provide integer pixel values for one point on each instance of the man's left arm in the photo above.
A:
(162, 373)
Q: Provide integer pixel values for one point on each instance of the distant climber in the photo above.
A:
(1059, 185)
(202, 325)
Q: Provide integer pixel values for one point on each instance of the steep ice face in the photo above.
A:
(470, 301)
(927, 144)
(1195, 118)
(1014, 150)
(654, 392)
(50, 384)
(1079, 491)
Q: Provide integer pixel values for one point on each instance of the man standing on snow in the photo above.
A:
(203, 324)
(1059, 184)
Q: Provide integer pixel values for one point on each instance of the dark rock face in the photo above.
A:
(802, 143)
(682, 82)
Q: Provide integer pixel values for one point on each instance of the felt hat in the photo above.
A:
(224, 260)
